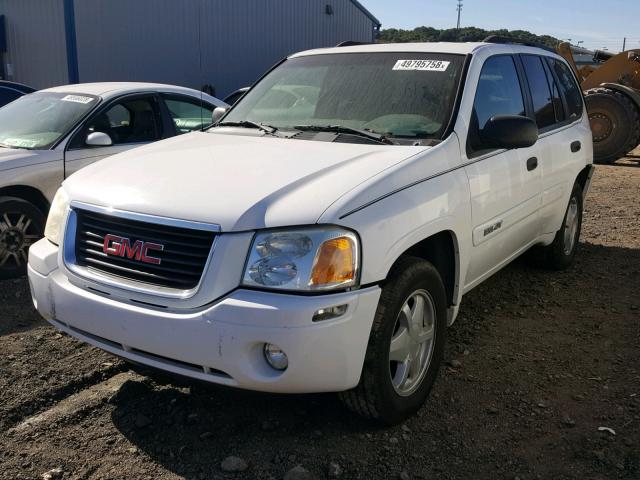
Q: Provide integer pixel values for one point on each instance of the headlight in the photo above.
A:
(307, 259)
(56, 217)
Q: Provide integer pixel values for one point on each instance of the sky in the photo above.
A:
(598, 23)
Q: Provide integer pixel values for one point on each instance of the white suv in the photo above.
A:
(320, 238)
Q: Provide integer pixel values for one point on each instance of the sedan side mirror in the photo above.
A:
(218, 113)
(98, 139)
(509, 131)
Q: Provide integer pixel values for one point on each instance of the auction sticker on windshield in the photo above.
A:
(422, 65)
(77, 99)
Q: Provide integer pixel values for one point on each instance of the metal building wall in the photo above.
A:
(157, 40)
(241, 39)
(36, 42)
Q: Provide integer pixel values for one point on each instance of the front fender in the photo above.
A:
(425, 195)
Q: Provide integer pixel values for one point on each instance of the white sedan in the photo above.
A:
(48, 135)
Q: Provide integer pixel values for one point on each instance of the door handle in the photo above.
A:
(532, 163)
(576, 146)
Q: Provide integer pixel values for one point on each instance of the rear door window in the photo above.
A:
(188, 114)
(540, 91)
(555, 93)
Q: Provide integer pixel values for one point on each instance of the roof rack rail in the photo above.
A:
(351, 43)
(515, 41)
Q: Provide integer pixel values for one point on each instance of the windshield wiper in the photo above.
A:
(378, 137)
(249, 124)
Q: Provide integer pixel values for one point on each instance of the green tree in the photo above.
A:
(466, 34)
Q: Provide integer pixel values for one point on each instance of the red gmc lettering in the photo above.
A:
(111, 245)
(151, 246)
(121, 247)
(129, 252)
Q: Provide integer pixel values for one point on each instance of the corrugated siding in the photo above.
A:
(141, 40)
(36, 41)
(158, 40)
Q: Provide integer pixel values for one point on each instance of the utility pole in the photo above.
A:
(624, 44)
(459, 13)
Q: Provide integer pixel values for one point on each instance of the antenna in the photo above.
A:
(459, 8)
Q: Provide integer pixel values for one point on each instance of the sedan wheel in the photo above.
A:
(21, 225)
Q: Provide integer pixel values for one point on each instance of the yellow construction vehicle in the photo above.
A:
(612, 93)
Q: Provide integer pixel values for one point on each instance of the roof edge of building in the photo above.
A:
(364, 10)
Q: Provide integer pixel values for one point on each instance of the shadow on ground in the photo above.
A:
(531, 342)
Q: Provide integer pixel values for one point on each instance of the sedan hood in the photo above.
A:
(240, 182)
(11, 158)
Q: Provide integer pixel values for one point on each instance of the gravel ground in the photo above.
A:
(542, 381)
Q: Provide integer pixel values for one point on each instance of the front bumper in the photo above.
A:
(222, 342)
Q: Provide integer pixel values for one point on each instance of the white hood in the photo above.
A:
(11, 158)
(240, 182)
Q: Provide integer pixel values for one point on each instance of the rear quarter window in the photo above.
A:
(569, 88)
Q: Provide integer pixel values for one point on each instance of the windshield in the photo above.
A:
(396, 94)
(37, 121)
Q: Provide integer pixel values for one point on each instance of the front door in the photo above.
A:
(129, 123)
(505, 185)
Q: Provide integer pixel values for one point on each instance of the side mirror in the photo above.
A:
(218, 113)
(98, 139)
(509, 131)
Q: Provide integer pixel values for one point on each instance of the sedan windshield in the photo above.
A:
(37, 121)
(395, 94)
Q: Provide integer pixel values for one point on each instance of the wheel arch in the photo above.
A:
(584, 178)
(30, 194)
(442, 251)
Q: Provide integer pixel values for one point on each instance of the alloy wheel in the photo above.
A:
(17, 234)
(412, 343)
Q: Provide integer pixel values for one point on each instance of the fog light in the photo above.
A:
(329, 313)
(275, 357)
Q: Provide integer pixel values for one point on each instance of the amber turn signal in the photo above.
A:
(335, 263)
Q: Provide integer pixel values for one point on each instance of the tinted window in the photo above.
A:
(498, 93)
(555, 93)
(540, 91)
(188, 114)
(130, 121)
(8, 96)
(569, 88)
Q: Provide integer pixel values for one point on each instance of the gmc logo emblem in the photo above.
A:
(121, 247)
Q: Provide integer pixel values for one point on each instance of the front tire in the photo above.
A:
(406, 344)
(21, 225)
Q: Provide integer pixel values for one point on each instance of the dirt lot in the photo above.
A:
(545, 360)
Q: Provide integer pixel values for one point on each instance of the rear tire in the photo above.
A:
(397, 376)
(560, 254)
(615, 123)
(21, 225)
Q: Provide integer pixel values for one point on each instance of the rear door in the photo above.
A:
(505, 185)
(565, 143)
(130, 122)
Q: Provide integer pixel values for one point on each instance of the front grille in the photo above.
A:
(182, 259)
